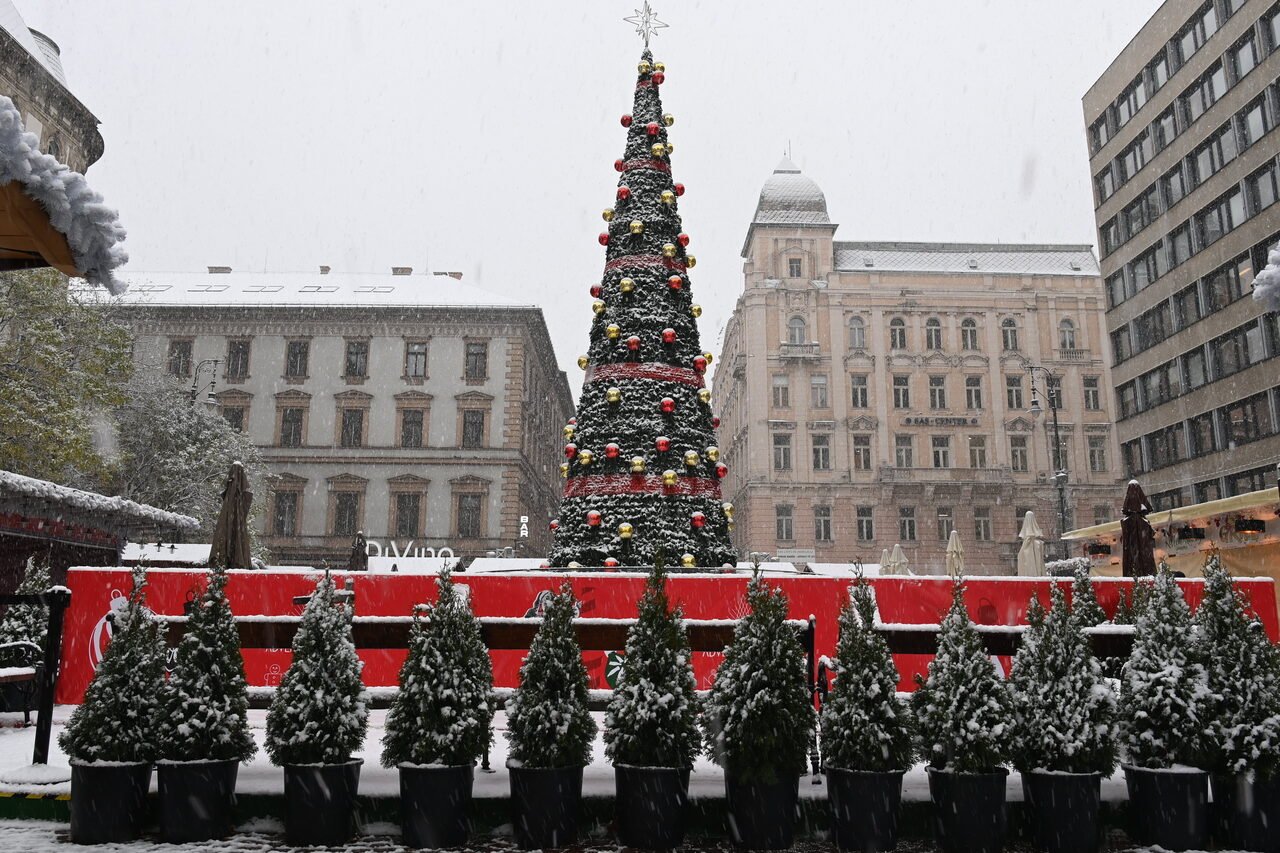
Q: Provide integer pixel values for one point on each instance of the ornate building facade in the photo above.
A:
(415, 409)
(874, 394)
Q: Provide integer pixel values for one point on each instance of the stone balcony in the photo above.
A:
(892, 474)
(801, 352)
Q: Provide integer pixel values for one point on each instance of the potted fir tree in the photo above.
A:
(111, 737)
(651, 729)
(1243, 748)
(1163, 707)
(866, 732)
(440, 721)
(204, 724)
(1064, 734)
(550, 732)
(760, 720)
(962, 713)
(317, 722)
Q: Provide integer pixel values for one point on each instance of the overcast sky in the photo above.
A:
(480, 136)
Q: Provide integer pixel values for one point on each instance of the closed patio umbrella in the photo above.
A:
(885, 568)
(1031, 554)
(230, 546)
(1136, 536)
(898, 560)
(955, 555)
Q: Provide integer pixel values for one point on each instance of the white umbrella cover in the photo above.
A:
(898, 560)
(1031, 554)
(885, 568)
(955, 555)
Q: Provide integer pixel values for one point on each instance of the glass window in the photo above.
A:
(352, 428)
(1166, 128)
(862, 453)
(1179, 245)
(1175, 186)
(795, 267)
(907, 523)
(982, 523)
(1131, 453)
(356, 363)
(797, 333)
(1236, 350)
(1186, 306)
(782, 452)
(969, 334)
(1009, 334)
(1100, 133)
(946, 523)
(346, 513)
(941, 451)
(408, 508)
(1105, 183)
(1164, 447)
(977, 451)
(291, 427)
(1209, 490)
(295, 361)
(237, 360)
(477, 360)
(1201, 435)
(1254, 480)
(1247, 420)
(179, 358)
(1013, 392)
(1122, 344)
(1097, 454)
(1018, 453)
(1117, 291)
(857, 333)
(866, 523)
(415, 359)
(1272, 26)
(1127, 399)
(284, 514)
(1263, 188)
(933, 333)
(937, 392)
(411, 428)
(781, 391)
(784, 529)
(470, 508)
(822, 453)
(1195, 369)
(818, 391)
(1066, 335)
(1244, 56)
(1056, 399)
(1159, 71)
(234, 415)
(858, 384)
(897, 333)
(973, 392)
(901, 392)
(822, 524)
(904, 451)
(1151, 328)
(473, 428)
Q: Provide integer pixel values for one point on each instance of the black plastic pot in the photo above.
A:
(864, 808)
(545, 803)
(434, 803)
(1247, 812)
(1169, 808)
(1064, 810)
(320, 803)
(761, 814)
(968, 810)
(108, 802)
(651, 805)
(197, 799)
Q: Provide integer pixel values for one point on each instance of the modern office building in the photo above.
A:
(881, 393)
(1183, 148)
(414, 408)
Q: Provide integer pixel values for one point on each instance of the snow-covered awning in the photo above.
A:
(49, 216)
(49, 500)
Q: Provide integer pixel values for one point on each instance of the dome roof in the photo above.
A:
(790, 198)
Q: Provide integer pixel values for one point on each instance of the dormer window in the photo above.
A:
(795, 268)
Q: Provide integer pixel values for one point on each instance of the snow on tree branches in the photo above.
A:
(28, 623)
(1085, 609)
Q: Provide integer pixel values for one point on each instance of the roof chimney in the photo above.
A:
(219, 270)
(324, 269)
(402, 270)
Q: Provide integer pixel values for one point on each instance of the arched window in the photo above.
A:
(933, 333)
(897, 333)
(1009, 334)
(857, 333)
(969, 334)
(1066, 335)
(796, 331)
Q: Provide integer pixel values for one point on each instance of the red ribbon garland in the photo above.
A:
(610, 485)
(645, 261)
(649, 163)
(645, 370)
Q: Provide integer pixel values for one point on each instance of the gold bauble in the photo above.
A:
(713, 453)
(670, 147)
(598, 306)
(637, 464)
(668, 119)
(627, 285)
(668, 197)
(707, 356)
(690, 261)
(568, 432)
(704, 394)
(607, 214)
(625, 530)
(688, 561)
(613, 395)
(728, 509)
(658, 149)
(695, 310)
(729, 524)
(691, 458)
(644, 67)
(669, 477)
(583, 361)
(564, 469)
(612, 331)
(637, 227)
(585, 458)
(668, 250)
(659, 66)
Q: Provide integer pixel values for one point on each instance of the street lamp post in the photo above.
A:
(196, 387)
(1060, 470)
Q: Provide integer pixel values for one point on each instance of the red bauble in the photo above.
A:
(682, 239)
(619, 165)
(612, 450)
(610, 563)
(715, 422)
(555, 525)
(604, 238)
(570, 451)
(596, 291)
(667, 405)
(668, 336)
(700, 364)
(698, 519)
(722, 470)
(626, 121)
(675, 282)
(573, 421)
(593, 518)
(679, 188)
(662, 443)
(624, 193)
(658, 78)
(653, 127)
(633, 343)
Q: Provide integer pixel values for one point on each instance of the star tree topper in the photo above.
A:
(645, 22)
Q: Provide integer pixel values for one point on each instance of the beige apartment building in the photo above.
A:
(417, 409)
(881, 393)
(1183, 145)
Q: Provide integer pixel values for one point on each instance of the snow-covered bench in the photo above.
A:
(35, 670)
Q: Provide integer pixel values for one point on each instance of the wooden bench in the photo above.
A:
(43, 675)
(1108, 641)
(20, 666)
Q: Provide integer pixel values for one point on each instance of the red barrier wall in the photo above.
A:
(991, 601)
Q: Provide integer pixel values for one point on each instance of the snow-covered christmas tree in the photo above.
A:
(1085, 609)
(642, 464)
(28, 622)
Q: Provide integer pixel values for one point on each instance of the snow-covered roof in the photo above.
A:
(789, 198)
(110, 510)
(306, 289)
(35, 43)
(970, 258)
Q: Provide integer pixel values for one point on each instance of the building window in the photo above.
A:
(1013, 393)
(1263, 188)
(352, 434)
(822, 453)
(1054, 387)
(476, 367)
(1097, 454)
(946, 523)
(356, 363)
(1247, 420)
(969, 334)
(1166, 128)
(982, 523)
(795, 267)
(473, 428)
(1205, 92)
(1201, 435)
(1220, 217)
(284, 514)
(937, 392)
(1209, 490)
(408, 513)
(904, 451)
(1236, 350)
(781, 391)
(415, 359)
(907, 523)
(237, 361)
(1254, 480)
(897, 333)
(1186, 306)
(858, 384)
(411, 427)
(796, 331)
(1092, 395)
(941, 451)
(1195, 369)
(973, 392)
(295, 359)
(782, 452)
(1018, 453)
(1217, 151)
(866, 523)
(857, 333)
(180, 358)
(818, 391)
(977, 451)
(862, 453)
(470, 510)
(1066, 335)
(901, 392)
(933, 334)
(346, 513)
(234, 415)
(291, 427)
(1203, 24)
(783, 528)
(822, 524)
(1009, 334)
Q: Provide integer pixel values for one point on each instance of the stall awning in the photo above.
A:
(1265, 499)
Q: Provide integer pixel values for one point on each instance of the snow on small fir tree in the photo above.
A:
(652, 719)
(1066, 713)
(548, 723)
(28, 623)
(1164, 694)
(206, 700)
(1085, 609)
(962, 709)
(119, 717)
(319, 713)
(865, 726)
(1243, 670)
(759, 716)
(443, 712)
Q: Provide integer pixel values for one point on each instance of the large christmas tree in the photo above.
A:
(642, 466)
